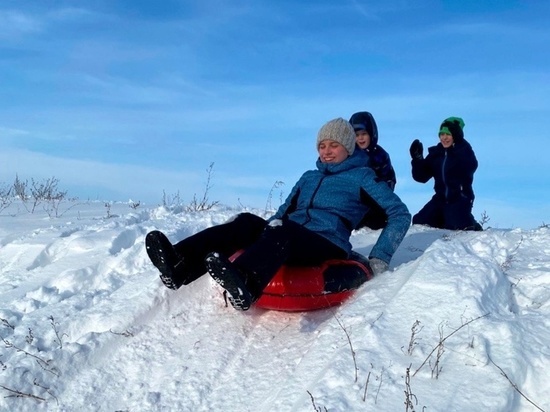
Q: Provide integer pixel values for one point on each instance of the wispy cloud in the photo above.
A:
(14, 24)
(164, 89)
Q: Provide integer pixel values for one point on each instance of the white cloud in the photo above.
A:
(14, 24)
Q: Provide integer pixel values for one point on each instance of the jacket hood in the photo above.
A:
(365, 121)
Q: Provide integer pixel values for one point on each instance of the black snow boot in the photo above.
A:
(164, 257)
(231, 279)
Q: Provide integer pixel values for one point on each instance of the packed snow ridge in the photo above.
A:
(460, 323)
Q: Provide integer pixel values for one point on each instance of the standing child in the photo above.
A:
(366, 135)
(452, 164)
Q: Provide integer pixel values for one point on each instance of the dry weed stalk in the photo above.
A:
(379, 385)
(440, 350)
(366, 388)
(409, 396)
(443, 339)
(415, 329)
(317, 408)
(197, 205)
(18, 394)
(515, 386)
(59, 336)
(350, 346)
(44, 363)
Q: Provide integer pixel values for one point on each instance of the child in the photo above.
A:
(366, 134)
(452, 164)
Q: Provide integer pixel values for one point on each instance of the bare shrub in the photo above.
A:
(46, 191)
(39, 357)
(415, 329)
(5, 196)
(268, 205)
(484, 219)
(20, 189)
(52, 207)
(197, 205)
(171, 201)
(108, 206)
(510, 257)
(441, 342)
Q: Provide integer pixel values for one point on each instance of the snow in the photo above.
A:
(87, 325)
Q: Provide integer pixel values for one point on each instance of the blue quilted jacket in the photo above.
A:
(333, 199)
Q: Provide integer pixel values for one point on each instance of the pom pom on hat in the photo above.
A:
(339, 130)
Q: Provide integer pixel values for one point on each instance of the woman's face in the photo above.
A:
(331, 151)
(446, 140)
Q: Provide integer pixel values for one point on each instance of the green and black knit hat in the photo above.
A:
(453, 126)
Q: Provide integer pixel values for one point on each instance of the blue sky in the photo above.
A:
(132, 99)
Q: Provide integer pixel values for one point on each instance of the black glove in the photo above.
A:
(417, 150)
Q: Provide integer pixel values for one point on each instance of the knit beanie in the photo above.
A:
(453, 126)
(340, 131)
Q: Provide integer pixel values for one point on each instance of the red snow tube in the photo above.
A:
(302, 288)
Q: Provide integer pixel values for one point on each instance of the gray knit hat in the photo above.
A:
(340, 131)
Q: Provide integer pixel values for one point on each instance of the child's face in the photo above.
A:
(446, 140)
(362, 137)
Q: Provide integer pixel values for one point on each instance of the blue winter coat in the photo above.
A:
(378, 158)
(452, 169)
(331, 202)
(380, 162)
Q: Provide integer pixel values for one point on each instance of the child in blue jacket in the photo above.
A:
(366, 134)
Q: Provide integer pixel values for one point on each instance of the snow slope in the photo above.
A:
(462, 323)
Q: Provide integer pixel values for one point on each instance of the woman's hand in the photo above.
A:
(377, 266)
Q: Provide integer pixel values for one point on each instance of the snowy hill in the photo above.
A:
(462, 323)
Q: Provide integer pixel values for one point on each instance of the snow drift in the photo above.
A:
(460, 323)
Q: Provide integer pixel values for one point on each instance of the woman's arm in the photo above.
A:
(399, 218)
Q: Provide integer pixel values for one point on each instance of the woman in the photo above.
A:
(452, 164)
(313, 225)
